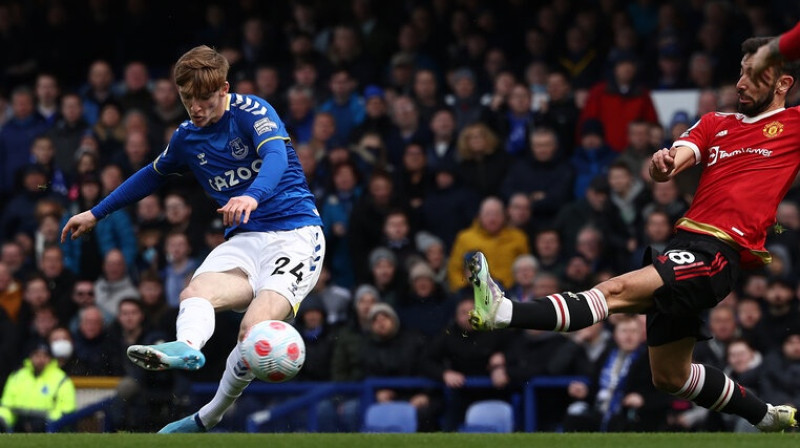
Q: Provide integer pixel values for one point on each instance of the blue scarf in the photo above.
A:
(613, 378)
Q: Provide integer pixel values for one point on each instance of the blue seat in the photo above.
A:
(395, 416)
(489, 416)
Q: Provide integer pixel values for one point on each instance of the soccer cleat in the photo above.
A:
(487, 294)
(778, 419)
(188, 424)
(169, 355)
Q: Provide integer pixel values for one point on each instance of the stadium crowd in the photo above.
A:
(427, 130)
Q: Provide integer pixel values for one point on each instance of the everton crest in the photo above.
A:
(238, 149)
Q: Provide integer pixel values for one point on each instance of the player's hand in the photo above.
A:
(78, 225)
(765, 57)
(662, 164)
(453, 379)
(237, 210)
(578, 390)
(633, 400)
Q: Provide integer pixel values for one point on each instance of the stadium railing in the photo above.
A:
(306, 396)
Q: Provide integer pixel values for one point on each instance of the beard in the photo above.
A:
(758, 105)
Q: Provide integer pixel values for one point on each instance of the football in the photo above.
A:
(274, 351)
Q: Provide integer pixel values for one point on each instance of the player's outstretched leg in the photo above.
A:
(558, 312)
(194, 326)
(235, 379)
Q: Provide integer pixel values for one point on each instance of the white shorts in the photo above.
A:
(287, 262)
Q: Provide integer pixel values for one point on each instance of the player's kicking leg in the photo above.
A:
(268, 305)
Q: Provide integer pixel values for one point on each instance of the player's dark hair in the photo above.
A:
(791, 68)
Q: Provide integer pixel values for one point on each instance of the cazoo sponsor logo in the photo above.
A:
(232, 178)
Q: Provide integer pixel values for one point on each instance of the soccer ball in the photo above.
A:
(274, 351)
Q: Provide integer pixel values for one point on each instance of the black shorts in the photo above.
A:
(698, 272)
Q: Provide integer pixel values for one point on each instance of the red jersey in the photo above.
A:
(749, 163)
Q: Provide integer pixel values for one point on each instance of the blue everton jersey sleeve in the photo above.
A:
(247, 152)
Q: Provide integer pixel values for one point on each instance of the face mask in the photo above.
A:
(61, 348)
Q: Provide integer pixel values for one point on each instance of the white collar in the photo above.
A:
(762, 116)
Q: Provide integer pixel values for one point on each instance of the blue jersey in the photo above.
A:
(227, 157)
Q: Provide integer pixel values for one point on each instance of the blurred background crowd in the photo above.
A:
(427, 130)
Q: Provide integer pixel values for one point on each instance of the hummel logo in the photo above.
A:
(722, 133)
(202, 158)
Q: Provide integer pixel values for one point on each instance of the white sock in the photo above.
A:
(195, 323)
(234, 380)
(503, 316)
(768, 419)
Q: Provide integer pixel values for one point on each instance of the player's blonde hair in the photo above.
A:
(201, 71)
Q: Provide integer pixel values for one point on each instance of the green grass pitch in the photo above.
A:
(438, 440)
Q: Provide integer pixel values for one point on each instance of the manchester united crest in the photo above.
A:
(772, 129)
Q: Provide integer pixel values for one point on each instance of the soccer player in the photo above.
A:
(749, 161)
(239, 151)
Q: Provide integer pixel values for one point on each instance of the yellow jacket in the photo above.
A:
(51, 393)
(501, 250)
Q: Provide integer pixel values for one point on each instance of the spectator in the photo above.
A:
(38, 393)
(115, 284)
(639, 149)
(779, 367)
(426, 307)
(47, 92)
(317, 334)
(560, 113)
(465, 100)
(62, 348)
(433, 253)
(268, 86)
(414, 179)
(580, 60)
(17, 135)
(629, 195)
(618, 101)
(518, 211)
(179, 268)
(515, 121)
(323, 132)
(482, 165)
(722, 325)
(167, 109)
(345, 52)
(376, 118)
(779, 314)
(12, 254)
(92, 348)
(386, 275)
(658, 229)
(180, 219)
(59, 281)
(524, 269)
(621, 396)
(346, 106)
(666, 197)
(543, 176)
(300, 117)
(450, 206)
(425, 91)
(337, 209)
(97, 90)
(158, 315)
(442, 148)
(406, 129)
(533, 353)
(456, 352)
(134, 92)
(548, 249)
(67, 131)
(367, 219)
(136, 153)
(592, 158)
(82, 296)
(19, 216)
(491, 235)
(43, 155)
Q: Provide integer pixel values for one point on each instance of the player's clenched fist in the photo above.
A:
(237, 210)
(78, 225)
(662, 164)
